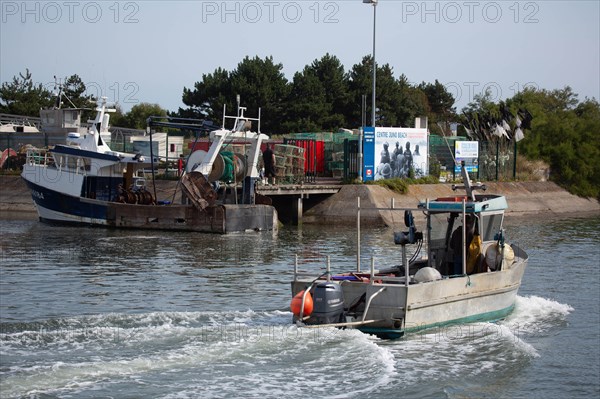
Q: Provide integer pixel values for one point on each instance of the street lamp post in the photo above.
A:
(374, 3)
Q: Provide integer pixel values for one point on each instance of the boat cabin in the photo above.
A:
(452, 225)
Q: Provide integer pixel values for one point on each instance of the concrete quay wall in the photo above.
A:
(525, 199)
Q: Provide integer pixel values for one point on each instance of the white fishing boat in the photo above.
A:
(85, 182)
(464, 275)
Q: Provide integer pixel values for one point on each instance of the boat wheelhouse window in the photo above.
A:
(59, 160)
(439, 239)
(490, 225)
(439, 224)
(72, 162)
(84, 164)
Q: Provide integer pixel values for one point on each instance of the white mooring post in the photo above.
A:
(296, 267)
(372, 270)
(464, 238)
(358, 236)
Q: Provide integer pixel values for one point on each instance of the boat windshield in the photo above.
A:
(443, 227)
(490, 225)
(440, 227)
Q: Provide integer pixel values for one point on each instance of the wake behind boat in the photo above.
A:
(85, 182)
(469, 273)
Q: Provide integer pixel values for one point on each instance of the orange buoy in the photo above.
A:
(296, 304)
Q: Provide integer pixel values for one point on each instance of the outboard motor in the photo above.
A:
(328, 299)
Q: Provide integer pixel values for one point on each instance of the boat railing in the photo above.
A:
(372, 276)
(241, 122)
(43, 158)
(36, 156)
(304, 274)
(391, 208)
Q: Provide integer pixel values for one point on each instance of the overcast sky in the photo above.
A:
(148, 51)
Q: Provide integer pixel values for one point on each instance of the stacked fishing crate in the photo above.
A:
(289, 164)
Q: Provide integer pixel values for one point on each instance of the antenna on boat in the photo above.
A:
(224, 113)
(58, 85)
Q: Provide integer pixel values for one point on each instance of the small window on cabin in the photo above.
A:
(439, 225)
(72, 162)
(70, 116)
(490, 226)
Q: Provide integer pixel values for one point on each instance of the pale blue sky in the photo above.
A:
(148, 51)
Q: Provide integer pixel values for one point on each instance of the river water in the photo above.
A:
(91, 313)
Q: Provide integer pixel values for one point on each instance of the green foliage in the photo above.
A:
(74, 90)
(440, 102)
(259, 83)
(318, 97)
(395, 184)
(23, 97)
(307, 104)
(139, 113)
(208, 96)
(565, 133)
(118, 118)
(321, 97)
(400, 185)
(435, 167)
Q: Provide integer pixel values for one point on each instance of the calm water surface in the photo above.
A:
(89, 312)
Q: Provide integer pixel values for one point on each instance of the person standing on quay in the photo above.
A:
(269, 161)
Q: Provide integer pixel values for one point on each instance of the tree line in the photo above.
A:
(321, 97)
(22, 96)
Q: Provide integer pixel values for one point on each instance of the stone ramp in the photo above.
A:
(526, 199)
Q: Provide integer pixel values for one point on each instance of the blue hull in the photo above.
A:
(67, 205)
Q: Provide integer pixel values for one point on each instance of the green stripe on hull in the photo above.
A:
(391, 333)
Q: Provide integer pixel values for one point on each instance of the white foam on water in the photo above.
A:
(220, 359)
(473, 349)
(534, 314)
(291, 361)
(260, 351)
(229, 348)
(476, 348)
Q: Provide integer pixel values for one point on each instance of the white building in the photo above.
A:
(164, 146)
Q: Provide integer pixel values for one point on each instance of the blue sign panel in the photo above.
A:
(467, 151)
(368, 153)
(470, 168)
